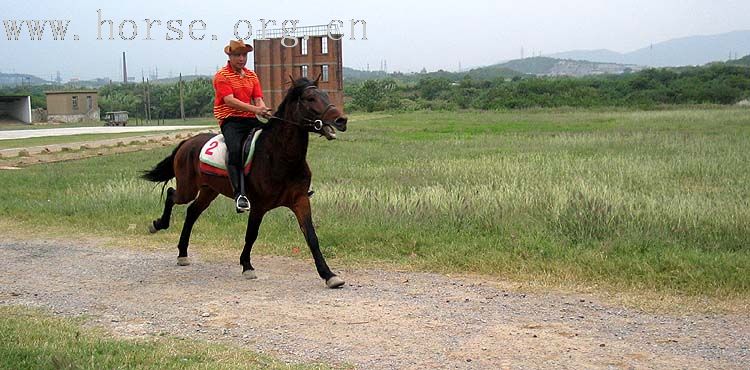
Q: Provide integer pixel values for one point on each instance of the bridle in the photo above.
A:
(317, 123)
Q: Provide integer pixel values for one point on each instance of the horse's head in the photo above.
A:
(310, 106)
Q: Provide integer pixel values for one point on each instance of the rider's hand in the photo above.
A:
(265, 112)
(257, 110)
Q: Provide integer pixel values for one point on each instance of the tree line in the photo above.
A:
(164, 99)
(712, 84)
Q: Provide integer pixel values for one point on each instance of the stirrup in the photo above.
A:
(242, 204)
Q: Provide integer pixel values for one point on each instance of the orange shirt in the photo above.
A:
(245, 88)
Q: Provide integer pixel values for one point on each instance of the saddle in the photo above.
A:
(213, 157)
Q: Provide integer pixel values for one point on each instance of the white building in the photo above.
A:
(15, 107)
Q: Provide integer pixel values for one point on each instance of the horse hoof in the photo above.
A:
(183, 261)
(151, 228)
(249, 274)
(334, 282)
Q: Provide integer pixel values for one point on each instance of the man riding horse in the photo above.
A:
(280, 177)
(238, 100)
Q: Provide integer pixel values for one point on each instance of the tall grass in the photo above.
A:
(33, 339)
(629, 200)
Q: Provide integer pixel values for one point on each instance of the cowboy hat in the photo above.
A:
(237, 47)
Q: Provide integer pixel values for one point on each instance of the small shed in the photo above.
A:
(72, 106)
(15, 108)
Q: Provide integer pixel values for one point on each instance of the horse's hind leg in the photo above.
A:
(182, 195)
(205, 197)
(162, 223)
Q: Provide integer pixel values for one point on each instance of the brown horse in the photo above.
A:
(280, 175)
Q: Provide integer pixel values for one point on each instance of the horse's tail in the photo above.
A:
(164, 170)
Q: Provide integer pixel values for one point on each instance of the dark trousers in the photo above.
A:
(235, 131)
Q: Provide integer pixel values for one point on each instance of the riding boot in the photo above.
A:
(237, 178)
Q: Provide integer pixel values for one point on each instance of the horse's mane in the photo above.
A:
(294, 92)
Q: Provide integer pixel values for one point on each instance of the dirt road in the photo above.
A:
(380, 320)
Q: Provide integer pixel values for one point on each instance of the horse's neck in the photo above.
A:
(290, 142)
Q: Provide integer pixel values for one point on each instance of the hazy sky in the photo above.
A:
(410, 35)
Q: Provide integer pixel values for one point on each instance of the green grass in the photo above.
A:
(638, 201)
(131, 122)
(32, 339)
(69, 139)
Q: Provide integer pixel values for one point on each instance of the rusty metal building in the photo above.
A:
(72, 106)
(315, 54)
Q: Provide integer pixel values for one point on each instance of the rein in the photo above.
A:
(316, 124)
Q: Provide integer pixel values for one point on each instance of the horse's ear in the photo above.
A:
(291, 79)
(317, 79)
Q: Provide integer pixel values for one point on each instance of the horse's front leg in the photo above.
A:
(302, 210)
(251, 234)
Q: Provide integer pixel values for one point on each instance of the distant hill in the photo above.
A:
(744, 61)
(599, 55)
(174, 80)
(87, 84)
(482, 73)
(16, 79)
(355, 74)
(693, 50)
(534, 66)
(544, 66)
(537, 66)
(492, 72)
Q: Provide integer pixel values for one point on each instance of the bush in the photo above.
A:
(716, 84)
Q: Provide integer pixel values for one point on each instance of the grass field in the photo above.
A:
(621, 201)
(33, 339)
(69, 139)
(132, 122)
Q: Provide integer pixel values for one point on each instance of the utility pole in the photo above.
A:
(182, 103)
(145, 104)
(148, 101)
(651, 54)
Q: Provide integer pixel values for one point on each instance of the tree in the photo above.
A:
(371, 94)
(430, 88)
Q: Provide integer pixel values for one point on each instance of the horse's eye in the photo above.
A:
(310, 99)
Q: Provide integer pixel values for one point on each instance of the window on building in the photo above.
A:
(304, 71)
(75, 103)
(303, 45)
(325, 73)
(324, 44)
(89, 103)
